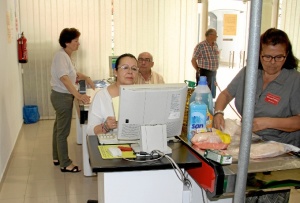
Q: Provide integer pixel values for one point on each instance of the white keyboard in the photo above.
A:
(112, 139)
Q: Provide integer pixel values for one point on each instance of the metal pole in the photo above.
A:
(249, 99)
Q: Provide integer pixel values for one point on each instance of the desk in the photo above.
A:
(81, 125)
(120, 180)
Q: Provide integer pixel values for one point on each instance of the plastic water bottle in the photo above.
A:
(197, 117)
(206, 96)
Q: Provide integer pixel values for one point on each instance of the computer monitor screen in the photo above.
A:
(149, 105)
(112, 64)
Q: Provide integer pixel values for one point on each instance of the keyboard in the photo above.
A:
(112, 139)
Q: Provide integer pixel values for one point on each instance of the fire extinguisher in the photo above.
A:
(22, 49)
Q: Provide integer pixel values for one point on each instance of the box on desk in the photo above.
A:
(218, 156)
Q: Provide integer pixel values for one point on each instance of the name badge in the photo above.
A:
(272, 98)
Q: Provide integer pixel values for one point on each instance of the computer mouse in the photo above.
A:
(115, 151)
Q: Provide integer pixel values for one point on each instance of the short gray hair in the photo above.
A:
(209, 31)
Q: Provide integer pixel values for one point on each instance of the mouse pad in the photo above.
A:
(106, 154)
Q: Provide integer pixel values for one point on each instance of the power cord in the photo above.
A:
(177, 170)
(146, 157)
(156, 155)
(216, 84)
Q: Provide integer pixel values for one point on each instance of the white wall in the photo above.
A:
(231, 43)
(11, 93)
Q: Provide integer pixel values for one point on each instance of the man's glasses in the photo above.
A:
(140, 60)
(126, 68)
(269, 58)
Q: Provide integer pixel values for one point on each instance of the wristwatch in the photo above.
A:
(219, 112)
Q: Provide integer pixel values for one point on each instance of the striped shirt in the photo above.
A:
(207, 56)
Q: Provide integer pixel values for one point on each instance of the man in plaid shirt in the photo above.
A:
(206, 59)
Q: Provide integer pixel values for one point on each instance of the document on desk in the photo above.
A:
(116, 101)
(103, 149)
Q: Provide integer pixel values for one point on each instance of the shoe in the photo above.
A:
(75, 169)
(56, 162)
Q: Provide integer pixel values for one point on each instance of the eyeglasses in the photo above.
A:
(214, 34)
(140, 60)
(269, 58)
(126, 68)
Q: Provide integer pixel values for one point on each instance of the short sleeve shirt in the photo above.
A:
(280, 99)
(207, 56)
(62, 65)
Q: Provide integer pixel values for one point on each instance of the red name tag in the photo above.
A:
(272, 99)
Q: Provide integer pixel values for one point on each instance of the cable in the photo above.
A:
(181, 176)
(143, 161)
(229, 103)
(177, 170)
(204, 201)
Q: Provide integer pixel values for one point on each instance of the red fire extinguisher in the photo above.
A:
(22, 49)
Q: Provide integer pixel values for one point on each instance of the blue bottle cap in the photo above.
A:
(202, 80)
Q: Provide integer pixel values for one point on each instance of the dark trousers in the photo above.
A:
(210, 77)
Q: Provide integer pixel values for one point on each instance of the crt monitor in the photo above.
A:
(112, 64)
(151, 104)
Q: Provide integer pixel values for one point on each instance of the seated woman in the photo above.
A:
(101, 113)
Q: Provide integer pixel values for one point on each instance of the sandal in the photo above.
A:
(56, 162)
(75, 169)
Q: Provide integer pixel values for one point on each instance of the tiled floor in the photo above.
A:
(32, 178)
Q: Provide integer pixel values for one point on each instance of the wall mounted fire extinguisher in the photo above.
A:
(22, 49)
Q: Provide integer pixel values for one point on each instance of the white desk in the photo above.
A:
(159, 186)
(125, 181)
(81, 131)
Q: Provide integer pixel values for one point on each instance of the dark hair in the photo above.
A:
(123, 56)
(273, 37)
(67, 35)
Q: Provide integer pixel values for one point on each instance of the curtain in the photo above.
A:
(167, 29)
(42, 21)
(290, 23)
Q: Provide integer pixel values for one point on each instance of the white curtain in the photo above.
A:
(165, 28)
(42, 21)
(290, 23)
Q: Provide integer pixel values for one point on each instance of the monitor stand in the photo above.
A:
(153, 137)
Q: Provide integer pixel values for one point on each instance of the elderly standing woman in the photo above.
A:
(101, 113)
(277, 99)
(64, 89)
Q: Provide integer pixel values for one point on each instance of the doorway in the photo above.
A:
(231, 20)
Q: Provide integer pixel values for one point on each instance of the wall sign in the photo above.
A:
(230, 22)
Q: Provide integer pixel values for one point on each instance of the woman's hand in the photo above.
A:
(260, 123)
(219, 122)
(90, 82)
(111, 122)
(84, 98)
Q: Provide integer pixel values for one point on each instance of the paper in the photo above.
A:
(103, 149)
(115, 102)
(229, 24)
